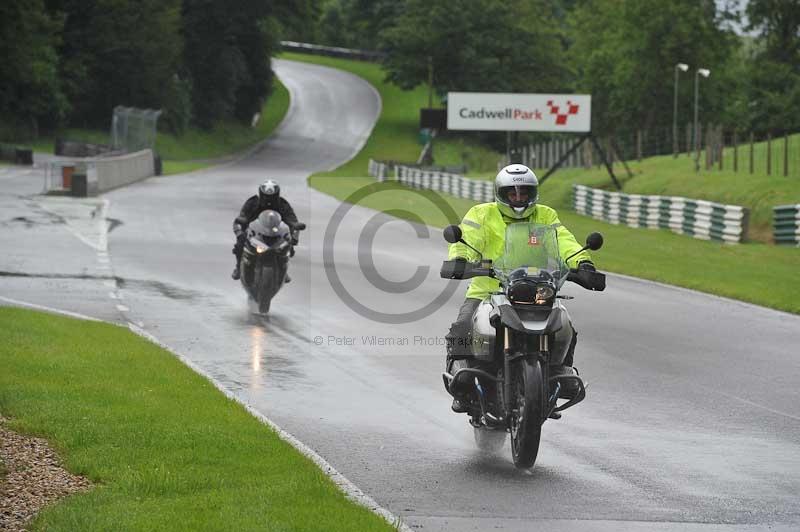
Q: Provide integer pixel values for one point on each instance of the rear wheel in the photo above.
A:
(527, 396)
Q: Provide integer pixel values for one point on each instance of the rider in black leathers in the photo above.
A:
(268, 197)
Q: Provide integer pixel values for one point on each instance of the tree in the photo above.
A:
(774, 81)
(117, 52)
(476, 45)
(624, 53)
(30, 90)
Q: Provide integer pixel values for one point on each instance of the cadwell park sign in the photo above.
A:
(497, 111)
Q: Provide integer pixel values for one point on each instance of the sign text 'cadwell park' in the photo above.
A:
(497, 111)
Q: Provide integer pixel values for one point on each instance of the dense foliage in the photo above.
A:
(200, 61)
(205, 61)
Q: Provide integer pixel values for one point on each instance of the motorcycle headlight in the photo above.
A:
(527, 292)
(544, 293)
(260, 248)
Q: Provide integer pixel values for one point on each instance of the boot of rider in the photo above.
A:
(236, 274)
(237, 252)
(569, 387)
(460, 405)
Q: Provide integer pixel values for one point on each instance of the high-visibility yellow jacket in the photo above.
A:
(484, 228)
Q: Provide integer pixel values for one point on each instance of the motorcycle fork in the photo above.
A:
(544, 358)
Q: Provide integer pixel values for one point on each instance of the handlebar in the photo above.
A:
(456, 269)
(588, 279)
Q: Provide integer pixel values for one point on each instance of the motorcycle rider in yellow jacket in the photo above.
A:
(483, 227)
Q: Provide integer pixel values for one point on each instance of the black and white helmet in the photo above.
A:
(268, 192)
(516, 190)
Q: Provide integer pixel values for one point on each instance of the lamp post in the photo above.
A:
(705, 73)
(683, 67)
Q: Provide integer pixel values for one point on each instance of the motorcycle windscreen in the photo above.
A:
(531, 250)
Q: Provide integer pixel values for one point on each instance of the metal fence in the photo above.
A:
(134, 129)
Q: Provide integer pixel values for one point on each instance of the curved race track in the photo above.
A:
(693, 415)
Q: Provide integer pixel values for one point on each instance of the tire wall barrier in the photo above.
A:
(453, 184)
(113, 172)
(701, 219)
(786, 224)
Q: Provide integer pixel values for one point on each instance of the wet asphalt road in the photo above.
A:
(693, 416)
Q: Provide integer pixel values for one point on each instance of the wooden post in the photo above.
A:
(721, 138)
(709, 130)
(639, 145)
(688, 139)
(785, 155)
(769, 153)
(735, 152)
(751, 152)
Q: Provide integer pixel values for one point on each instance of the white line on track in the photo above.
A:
(47, 309)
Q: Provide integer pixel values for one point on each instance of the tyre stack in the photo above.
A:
(786, 224)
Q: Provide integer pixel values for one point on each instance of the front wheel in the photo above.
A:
(526, 413)
(266, 288)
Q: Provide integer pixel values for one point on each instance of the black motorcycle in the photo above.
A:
(268, 245)
(518, 335)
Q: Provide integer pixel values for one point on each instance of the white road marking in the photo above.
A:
(48, 309)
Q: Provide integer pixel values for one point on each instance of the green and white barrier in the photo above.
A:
(378, 170)
(786, 224)
(453, 184)
(697, 218)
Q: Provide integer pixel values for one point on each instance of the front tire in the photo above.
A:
(265, 289)
(527, 395)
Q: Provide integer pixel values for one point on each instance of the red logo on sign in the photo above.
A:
(562, 114)
(533, 241)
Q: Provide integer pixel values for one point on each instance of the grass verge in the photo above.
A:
(198, 148)
(755, 272)
(165, 448)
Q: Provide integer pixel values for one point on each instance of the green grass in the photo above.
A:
(196, 148)
(164, 448)
(755, 272)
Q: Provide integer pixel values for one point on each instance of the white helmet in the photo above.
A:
(516, 190)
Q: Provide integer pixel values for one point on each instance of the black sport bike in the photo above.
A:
(518, 335)
(268, 245)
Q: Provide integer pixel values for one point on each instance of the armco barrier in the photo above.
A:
(698, 218)
(333, 51)
(786, 224)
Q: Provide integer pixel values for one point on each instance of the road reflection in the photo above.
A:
(257, 337)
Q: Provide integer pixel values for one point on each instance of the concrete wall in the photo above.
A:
(111, 172)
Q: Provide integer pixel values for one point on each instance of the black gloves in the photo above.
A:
(586, 265)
